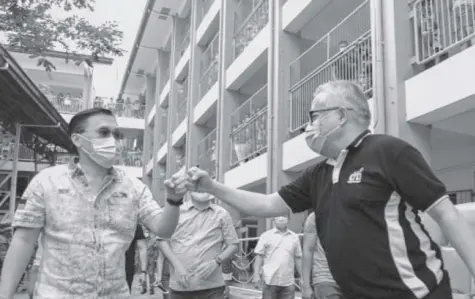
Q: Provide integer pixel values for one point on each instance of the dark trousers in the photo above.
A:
(278, 292)
(215, 293)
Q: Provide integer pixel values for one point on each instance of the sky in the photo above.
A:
(127, 13)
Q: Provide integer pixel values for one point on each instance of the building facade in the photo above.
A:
(228, 84)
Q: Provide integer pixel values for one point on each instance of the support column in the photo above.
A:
(171, 156)
(193, 134)
(396, 33)
(148, 132)
(228, 101)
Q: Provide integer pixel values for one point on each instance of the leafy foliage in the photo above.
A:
(29, 26)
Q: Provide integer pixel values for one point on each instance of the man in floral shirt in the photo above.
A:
(88, 212)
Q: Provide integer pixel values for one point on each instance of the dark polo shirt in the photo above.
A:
(366, 206)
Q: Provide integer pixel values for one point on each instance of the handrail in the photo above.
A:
(249, 16)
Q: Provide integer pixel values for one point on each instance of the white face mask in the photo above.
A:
(314, 136)
(104, 151)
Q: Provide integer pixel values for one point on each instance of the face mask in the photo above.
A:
(104, 151)
(315, 138)
(200, 197)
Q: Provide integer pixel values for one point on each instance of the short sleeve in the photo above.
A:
(33, 215)
(310, 226)
(260, 248)
(148, 207)
(415, 181)
(229, 233)
(139, 234)
(296, 194)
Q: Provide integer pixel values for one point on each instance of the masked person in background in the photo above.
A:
(278, 253)
(367, 197)
(88, 212)
(195, 250)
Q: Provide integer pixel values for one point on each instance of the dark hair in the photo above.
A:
(77, 123)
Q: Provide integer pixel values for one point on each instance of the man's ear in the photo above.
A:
(75, 139)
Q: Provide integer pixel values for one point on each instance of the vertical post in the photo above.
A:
(172, 109)
(13, 185)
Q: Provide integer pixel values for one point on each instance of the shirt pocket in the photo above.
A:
(122, 213)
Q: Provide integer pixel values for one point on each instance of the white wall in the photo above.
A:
(453, 159)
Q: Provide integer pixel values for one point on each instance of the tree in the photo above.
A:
(29, 27)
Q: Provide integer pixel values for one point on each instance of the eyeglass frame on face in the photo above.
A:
(313, 115)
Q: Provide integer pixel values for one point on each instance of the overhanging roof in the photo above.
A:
(153, 34)
(21, 101)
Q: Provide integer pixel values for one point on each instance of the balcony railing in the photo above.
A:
(461, 196)
(209, 66)
(249, 128)
(346, 32)
(75, 105)
(185, 42)
(204, 6)
(353, 62)
(182, 101)
(207, 153)
(440, 25)
(250, 19)
(130, 158)
(180, 160)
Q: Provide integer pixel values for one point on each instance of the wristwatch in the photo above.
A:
(175, 203)
(218, 260)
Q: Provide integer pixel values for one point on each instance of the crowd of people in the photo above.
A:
(362, 240)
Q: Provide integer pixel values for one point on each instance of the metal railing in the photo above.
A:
(351, 61)
(180, 159)
(249, 128)
(250, 19)
(185, 42)
(163, 128)
(130, 158)
(440, 25)
(207, 153)
(182, 101)
(461, 196)
(75, 105)
(204, 6)
(209, 66)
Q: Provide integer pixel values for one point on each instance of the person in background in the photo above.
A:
(139, 242)
(195, 250)
(88, 212)
(278, 253)
(317, 280)
(227, 266)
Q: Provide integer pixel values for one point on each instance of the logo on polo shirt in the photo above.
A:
(355, 177)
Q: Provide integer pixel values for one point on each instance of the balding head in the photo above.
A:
(343, 94)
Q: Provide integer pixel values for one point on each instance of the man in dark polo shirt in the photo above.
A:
(366, 197)
(137, 243)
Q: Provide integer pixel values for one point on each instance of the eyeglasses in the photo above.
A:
(313, 115)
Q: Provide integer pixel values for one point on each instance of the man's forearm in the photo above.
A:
(251, 203)
(229, 252)
(17, 258)
(461, 237)
(298, 265)
(165, 223)
(165, 248)
(258, 265)
(306, 268)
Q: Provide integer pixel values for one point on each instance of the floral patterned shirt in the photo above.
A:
(85, 235)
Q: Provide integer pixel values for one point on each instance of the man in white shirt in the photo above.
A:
(278, 253)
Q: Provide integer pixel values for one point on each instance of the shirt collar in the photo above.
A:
(188, 205)
(75, 169)
(356, 143)
(276, 231)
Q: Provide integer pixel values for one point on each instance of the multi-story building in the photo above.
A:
(228, 84)
(65, 86)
